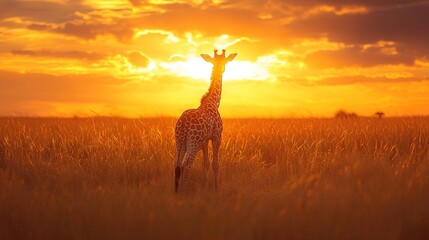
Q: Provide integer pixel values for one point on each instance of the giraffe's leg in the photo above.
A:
(215, 165)
(206, 163)
(186, 167)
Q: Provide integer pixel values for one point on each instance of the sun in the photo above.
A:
(196, 68)
(191, 66)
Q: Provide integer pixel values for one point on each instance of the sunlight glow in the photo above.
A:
(193, 67)
(196, 68)
(245, 70)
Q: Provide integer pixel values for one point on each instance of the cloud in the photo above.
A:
(406, 26)
(211, 21)
(39, 27)
(119, 30)
(39, 10)
(138, 59)
(335, 3)
(88, 31)
(358, 56)
(60, 54)
(371, 3)
(347, 80)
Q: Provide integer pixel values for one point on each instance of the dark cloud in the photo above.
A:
(39, 27)
(38, 10)
(404, 25)
(346, 80)
(64, 54)
(120, 30)
(353, 2)
(357, 57)
(60, 18)
(312, 3)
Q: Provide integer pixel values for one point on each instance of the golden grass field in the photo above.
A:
(112, 178)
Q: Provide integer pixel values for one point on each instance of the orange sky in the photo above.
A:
(141, 57)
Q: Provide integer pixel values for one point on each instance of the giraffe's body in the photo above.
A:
(196, 127)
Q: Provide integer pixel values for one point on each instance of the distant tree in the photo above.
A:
(341, 114)
(352, 115)
(379, 114)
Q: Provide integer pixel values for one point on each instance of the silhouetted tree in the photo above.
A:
(341, 114)
(379, 114)
(352, 115)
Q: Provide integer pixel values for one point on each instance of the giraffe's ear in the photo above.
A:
(207, 58)
(231, 57)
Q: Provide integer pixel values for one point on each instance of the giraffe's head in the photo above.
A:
(219, 61)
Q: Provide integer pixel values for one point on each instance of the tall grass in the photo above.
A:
(112, 178)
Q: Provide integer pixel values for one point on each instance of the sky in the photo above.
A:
(296, 58)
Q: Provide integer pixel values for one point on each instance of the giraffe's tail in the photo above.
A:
(181, 150)
(178, 172)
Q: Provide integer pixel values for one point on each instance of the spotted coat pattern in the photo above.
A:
(196, 127)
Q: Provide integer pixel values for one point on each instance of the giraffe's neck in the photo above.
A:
(212, 98)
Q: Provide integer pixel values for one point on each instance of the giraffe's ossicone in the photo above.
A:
(196, 127)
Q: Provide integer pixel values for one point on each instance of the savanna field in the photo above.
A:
(112, 178)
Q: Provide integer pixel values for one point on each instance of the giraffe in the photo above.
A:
(196, 127)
